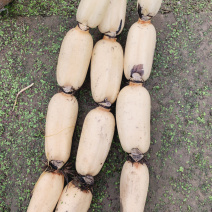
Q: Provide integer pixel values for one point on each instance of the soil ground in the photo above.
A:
(180, 157)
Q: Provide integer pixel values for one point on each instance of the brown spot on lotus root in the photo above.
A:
(136, 164)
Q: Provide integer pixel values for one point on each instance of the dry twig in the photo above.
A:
(22, 90)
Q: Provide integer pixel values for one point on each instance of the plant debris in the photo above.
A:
(21, 91)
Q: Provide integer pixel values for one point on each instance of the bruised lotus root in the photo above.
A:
(137, 72)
